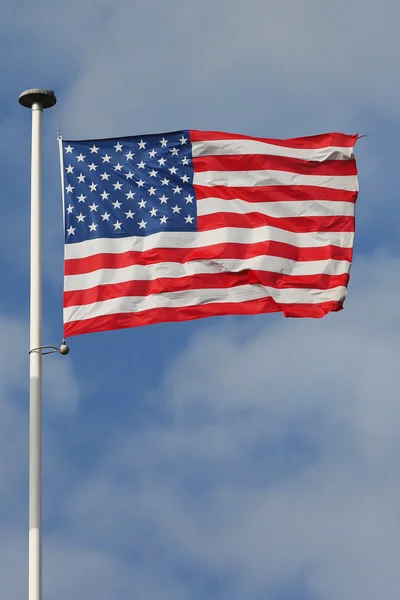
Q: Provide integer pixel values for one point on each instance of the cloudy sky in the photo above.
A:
(229, 458)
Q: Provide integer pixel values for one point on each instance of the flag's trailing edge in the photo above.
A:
(193, 224)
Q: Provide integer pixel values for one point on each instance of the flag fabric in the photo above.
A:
(193, 224)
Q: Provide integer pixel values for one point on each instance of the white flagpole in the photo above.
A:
(36, 100)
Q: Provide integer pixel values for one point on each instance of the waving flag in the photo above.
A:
(193, 224)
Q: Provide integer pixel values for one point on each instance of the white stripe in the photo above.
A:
(233, 147)
(134, 304)
(207, 238)
(302, 208)
(174, 270)
(267, 177)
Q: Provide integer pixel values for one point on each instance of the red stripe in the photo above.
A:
(275, 193)
(261, 162)
(309, 142)
(294, 224)
(78, 266)
(168, 315)
(202, 281)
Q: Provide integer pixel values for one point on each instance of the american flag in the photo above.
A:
(193, 224)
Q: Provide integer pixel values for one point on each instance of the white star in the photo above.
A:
(81, 198)
(161, 162)
(141, 165)
(129, 214)
(106, 158)
(185, 179)
(118, 167)
(69, 189)
(104, 195)
(176, 209)
(163, 142)
(174, 152)
(153, 173)
(129, 175)
(189, 199)
(71, 230)
(105, 176)
(93, 227)
(189, 219)
(140, 183)
(117, 225)
(117, 204)
(69, 169)
(118, 147)
(164, 181)
(130, 155)
(185, 161)
(129, 195)
(92, 167)
(70, 208)
(153, 212)
(183, 140)
(81, 178)
(142, 224)
(94, 149)
(177, 190)
(142, 145)
(152, 153)
(93, 187)
(106, 216)
(142, 204)
(163, 199)
(80, 157)
(173, 170)
(93, 207)
(163, 220)
(152, 191)
(68, 148)
(81, 218)
(117, 186)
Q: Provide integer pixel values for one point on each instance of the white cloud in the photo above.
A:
(287, 65)
(275, 461)
(277, 456)
(58, 380)
(234, 65)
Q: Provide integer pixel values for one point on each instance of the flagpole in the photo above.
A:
(36, 100)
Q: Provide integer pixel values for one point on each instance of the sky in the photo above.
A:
(227, 458)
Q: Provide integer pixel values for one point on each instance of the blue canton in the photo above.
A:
(131, 186)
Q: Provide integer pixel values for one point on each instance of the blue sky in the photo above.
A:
(226, 458)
